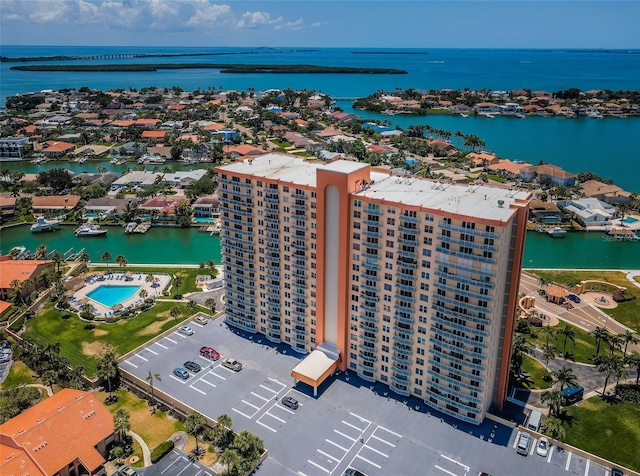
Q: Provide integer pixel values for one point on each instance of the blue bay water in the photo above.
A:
(606, 147)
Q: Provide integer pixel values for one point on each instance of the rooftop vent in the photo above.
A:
(500, 203)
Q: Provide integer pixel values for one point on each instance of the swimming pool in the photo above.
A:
(110, 295)
(629, 220)
(204, 220)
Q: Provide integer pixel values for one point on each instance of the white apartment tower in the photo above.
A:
(405, 281)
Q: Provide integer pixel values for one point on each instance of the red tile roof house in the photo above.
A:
(245, 149)
(159, 136)
(54, 203)
(7, 206)
(56, 148)
(20, 270)
(66, 434)
(147, 122)
(165, 207)
(446, 147)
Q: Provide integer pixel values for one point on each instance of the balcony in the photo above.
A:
(408, 263)
(299, 246)
(367, 308)
(299, 340)
(409, 219)
(368, 297)
(403, 301)
(371, 234)
(297, 227)
(299, 206)
(370, 359)
(407, 242)
(409, 321)
(406, 288)
(367, 326)
(407, 230)
(411, 255)
(401, 372)
(402, 349)
(366, 338)
(371, 222)
(465, 278)
(401, 360)
(469, 231)
(371, 265)
(372, 211)
(370, 319)
(372, 245)
(298, 196)
(402, 340)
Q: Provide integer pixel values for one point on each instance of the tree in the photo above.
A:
(521, 346)
(565, 377)
(553, 428)
(211, 304)
(192, 306)
(105, 258)
(144, 294)
(194, 425)
(548, 353)
(554, 399)
(15, 400)
(633, 360)
(569, 333)
(223, 435)
(150, 378)
(607, 365)
(84, 260)
(49, 378)
(122, 261)
(249, 447)
(175, 312)
(615, 343)
(58, 179)
(57, 259)
(40, 252)
(629, 337)
(600, 334)
(177, 282)
(231, 458)
(107, 370)
(121, 425)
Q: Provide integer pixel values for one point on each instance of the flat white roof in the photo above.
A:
(314, 365)
(344, 166)
(278, 167)
(479, 201)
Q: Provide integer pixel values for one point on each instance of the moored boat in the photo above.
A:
(620, 234)
(90, 229)
(557, 232)
(42, 224)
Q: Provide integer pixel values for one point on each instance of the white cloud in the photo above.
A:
(292, 25)
(254, 19)
(53, 11)
(210, 14)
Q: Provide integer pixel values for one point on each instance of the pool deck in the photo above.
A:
(153, 289)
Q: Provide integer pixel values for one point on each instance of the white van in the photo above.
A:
(533, 423)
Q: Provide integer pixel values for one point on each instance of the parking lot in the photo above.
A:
(351, 423)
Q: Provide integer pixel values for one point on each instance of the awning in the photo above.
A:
(317, 366)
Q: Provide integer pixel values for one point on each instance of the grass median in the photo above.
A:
(84, 347)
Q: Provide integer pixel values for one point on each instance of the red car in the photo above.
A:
(209, 353)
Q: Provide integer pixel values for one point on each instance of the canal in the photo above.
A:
(578, 250)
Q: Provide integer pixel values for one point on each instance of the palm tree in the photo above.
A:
(223, 432)
(177, 282)
(122, 261)
(231, 458)
(629, 337)
(107, 369)
(548, 353)
(106, 257)
(194, 424)
(600, 334)
(49, 378)
(144, 294)
(633, 360)
(121, 425)
(615, 343)
(40, 252)
(84, 260)
(554, 399)
(211, 304)
(57, 259)
(565, 377)
(150, 378)
(569, 333)
(175, 312)
(553, 428)
(609, 366)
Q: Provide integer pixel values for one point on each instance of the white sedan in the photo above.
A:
(543, 447)
(186, 330)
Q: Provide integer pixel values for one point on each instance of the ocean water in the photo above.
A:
(605, 147)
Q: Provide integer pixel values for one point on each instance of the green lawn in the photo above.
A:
(609, 431)
(627, 313)
(582, 351)
(534, 372)
(84, 347)
(19, 374)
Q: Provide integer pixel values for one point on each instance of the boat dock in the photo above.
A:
(134, 227)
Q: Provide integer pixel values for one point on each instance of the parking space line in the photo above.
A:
(267, 427)
(197, 390)
(267, 388)
(285, 409)
(586, 470)
(140, 357)
(260, 397)
(448, 472)
(179, 335)
(185, 468)
(154, 353)
(384, 441)
(174, 462)
(301, 473)
(566, 468)
(516, 440)
(131, 364)
(342, 434)
(328, 455)
(533, 446)
(251, 405)
(352, 426)
(550, 454)
(219, 376)
(358, 416)
(455, 462)
(243, 414)
(318, 466)
(207, 382)
(336, 444)
(178, 379)
(377, 451)
(171, 340)
(275, 417)
(374, 464)
(389, 431)
(226, 369)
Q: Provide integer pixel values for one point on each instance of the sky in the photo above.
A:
(327, 23)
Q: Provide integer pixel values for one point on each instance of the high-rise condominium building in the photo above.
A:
(405, 281)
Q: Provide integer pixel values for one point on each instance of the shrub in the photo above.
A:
(161, 450)
(89, 327)
(66, 316)
(111, 320)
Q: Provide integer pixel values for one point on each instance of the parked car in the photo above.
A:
(543, 447)
(482, 473)
(353, 472)
(181, 373)
(232, 364)
(573, 297)
(186, 330)
(5, 358)
(524, 443)
(203, 321)
(127, 471)
(191, 365)
(209, 353)
(616, 472)
(290, 402)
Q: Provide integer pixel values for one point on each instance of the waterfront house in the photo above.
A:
(136, 178)
(7, 206)
(54, 203)
(244, 150)
(14, 146)
(444, 147)
(505, 165)
(163, 208)
(183, 178)
(486, 108)
(91, 150)
(162, 151)
(20, 270)
(511, 108)
(479, 159)
(608, 193)
(206, 207)
(547, 213)
(554, 173)
(591, 210)
(147, 122)
(87, 178)
(133, 148)
(158, 136)
(37, 441)
(108, 206)
(56, 148)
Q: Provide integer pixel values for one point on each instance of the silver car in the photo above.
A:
(186, 330)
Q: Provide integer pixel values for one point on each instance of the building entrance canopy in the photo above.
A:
(317, 366)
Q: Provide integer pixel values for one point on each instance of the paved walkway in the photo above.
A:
(42, 387)
(631, 275)
(146, 452)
